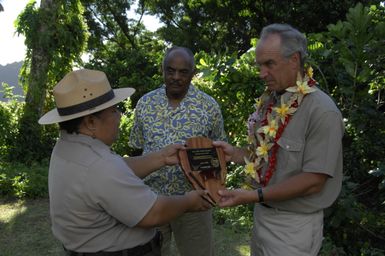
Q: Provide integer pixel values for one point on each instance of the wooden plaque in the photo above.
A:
(204, 166)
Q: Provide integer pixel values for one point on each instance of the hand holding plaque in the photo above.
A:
(204, 166)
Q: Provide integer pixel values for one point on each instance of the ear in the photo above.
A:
(89, 122)
(295, 60)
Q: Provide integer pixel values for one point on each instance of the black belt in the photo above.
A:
(265, 205)
(139, 250)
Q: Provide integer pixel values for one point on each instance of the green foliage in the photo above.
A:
(380, 173)
(329, 248)
(20, 181)
(55, 38)
(234, 83)
(121, 146)
(129, 67)
(10, 111)
(350, 219)
(221, 26)
(122, 48)
(62, 32)
(351, 57)
(239, 217)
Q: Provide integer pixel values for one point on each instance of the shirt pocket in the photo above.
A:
(290, 154)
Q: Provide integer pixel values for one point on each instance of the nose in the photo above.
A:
(176, 75)
(263, 73)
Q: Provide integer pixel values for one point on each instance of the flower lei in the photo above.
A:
(266, 125)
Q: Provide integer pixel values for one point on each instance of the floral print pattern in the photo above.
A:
(157, 125)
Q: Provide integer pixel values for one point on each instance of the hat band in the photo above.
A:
(86, 105)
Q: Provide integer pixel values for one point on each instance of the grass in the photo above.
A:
(25, 230)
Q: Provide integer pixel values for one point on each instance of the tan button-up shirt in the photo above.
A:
(311, 142)
(95, 198)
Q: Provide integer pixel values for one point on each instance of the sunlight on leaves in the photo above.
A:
(243, 249)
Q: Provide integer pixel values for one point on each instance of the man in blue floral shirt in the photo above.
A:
(171, 114)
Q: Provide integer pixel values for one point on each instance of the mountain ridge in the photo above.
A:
(10, 74)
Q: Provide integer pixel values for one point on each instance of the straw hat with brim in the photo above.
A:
(83, 92)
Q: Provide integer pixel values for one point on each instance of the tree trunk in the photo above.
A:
(28, 144)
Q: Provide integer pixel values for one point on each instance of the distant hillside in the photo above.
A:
(9, 74)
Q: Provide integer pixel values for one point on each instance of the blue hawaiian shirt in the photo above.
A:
(156, 125)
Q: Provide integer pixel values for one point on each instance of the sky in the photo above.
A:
(12, 48)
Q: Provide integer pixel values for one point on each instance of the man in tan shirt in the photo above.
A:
(295, 152)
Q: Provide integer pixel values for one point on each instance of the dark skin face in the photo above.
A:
(104, 126)
(178, 72)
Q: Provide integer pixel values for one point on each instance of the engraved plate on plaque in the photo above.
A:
(203, 159)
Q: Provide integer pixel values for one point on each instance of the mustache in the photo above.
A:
(175, 83)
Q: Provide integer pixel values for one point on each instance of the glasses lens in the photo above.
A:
(121, 107)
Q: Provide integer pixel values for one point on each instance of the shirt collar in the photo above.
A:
(96, 144)
(191, 93)
(277, 96)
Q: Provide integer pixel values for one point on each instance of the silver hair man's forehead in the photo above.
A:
(292, 40)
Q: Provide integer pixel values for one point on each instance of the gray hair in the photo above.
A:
(292, 40)
(179, 48)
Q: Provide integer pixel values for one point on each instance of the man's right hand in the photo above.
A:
(167, 208)
(233, 154)
(236, 197)
(228, 149)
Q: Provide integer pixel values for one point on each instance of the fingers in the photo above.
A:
(209, 200)
(179, 146)
(170, 153)
(227, 198)
(206, 196)
(205, 201)
(224, 204)
(207, 204)
(226, 147)
(224, 192)
(219, 143)
(202, 192)
(173, 148)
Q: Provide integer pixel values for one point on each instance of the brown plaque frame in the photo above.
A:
(210, 180)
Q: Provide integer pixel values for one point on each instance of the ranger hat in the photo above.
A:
(83, 92)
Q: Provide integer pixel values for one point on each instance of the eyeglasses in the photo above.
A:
(121, 107)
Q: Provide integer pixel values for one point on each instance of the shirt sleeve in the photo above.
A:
(218, 132)
(324, 144)
(123, 195)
